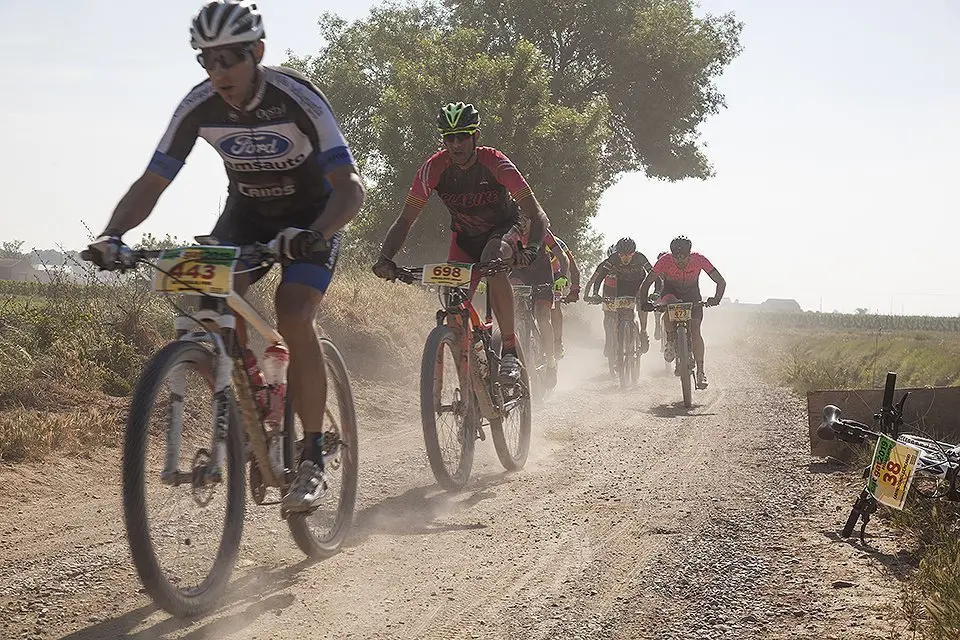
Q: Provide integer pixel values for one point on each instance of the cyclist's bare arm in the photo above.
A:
(594, 281)
(345, 200)
(721, 283)
(530, 208)
(138, 203)
(397, 234)
(644, 291)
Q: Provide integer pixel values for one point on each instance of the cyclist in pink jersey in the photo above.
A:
(681, 270)
(486, 195)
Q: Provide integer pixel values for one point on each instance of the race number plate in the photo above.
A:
(680, 312)
(450, 274)
(201, 269)
(892, 471)
(624, 302)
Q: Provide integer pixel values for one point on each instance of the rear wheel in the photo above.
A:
(447, 409)
(511, 433)
(320, 533)
(683, 359)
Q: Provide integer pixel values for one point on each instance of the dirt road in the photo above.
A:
(634, 518)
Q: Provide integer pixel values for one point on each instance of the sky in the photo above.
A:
(834, 157)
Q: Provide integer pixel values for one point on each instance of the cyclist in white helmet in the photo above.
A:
(291, 175)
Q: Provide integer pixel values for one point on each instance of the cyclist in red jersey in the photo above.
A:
(486, 196)
(681, 270)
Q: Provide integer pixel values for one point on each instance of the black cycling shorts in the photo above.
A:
(239, 224)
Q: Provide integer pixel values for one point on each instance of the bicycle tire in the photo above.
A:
(635, 361)
(175, 601)
(432, 352)
(625, 341)
(326, 546)
(529, 343)
(683, 355)
(508, 459)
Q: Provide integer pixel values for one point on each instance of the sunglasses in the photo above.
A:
(226, 58)
(457, 137)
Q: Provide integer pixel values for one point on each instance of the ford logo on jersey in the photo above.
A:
(262, 144)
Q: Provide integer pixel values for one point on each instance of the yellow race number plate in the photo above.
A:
(200, 269)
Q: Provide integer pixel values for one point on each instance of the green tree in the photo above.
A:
(565, 127)
(654, 61)
(11, 249)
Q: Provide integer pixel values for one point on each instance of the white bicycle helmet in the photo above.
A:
(221, 23)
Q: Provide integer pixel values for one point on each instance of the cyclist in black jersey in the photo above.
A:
(291, 175)
(630, 267)
(485, 195)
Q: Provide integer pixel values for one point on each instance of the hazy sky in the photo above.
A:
(834, 156)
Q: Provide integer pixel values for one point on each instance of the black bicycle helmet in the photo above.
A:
(612, 249)
(457, 117)
(680, 244)
(626, 245)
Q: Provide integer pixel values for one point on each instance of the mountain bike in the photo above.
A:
(476, 394)
(530, 339)
(624, 356)
(681, 313)
(901, 461)
(220, 435)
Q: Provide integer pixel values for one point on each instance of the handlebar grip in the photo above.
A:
(888, 390)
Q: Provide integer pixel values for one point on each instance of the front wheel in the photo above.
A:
(321, 533)
(511, 433)
(447, 408)
(181, 586)
(686, 374)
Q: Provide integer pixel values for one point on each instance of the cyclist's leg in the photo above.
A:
(670, 329)
(695, 333)
(501, 296)
(542, 311)
(302, 288)
(609, 327)
(556, 318)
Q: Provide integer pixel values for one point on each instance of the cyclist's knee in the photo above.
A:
(496, 248)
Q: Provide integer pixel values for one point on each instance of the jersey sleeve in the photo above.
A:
(331, 147)
(181, 134)
(705, 265)
(647, 267)
(505, 172)
(425, 181)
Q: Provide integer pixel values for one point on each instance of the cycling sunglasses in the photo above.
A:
(226, 57)
(458, 137)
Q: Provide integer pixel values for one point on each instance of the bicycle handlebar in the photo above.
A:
(411, 275)
(890, 418)
(262, 253)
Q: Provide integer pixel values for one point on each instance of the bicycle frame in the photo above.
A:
(227, 371)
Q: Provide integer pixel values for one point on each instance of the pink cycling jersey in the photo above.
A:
(683, 283)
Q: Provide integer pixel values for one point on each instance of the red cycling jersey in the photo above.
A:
(683, 283)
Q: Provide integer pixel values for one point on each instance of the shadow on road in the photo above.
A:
(248, 598)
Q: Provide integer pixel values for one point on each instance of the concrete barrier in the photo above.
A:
(933, 410)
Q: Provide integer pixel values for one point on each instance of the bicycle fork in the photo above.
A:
(208, 464)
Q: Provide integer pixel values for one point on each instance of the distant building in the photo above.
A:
(16, 269)
(781, 305)
(770, 305)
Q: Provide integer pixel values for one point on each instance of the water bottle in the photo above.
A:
(481, 354)
(257, 385)
(275, 360)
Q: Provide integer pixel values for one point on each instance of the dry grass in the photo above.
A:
(70, 355)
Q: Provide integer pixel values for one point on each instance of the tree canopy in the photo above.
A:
(575, 93)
